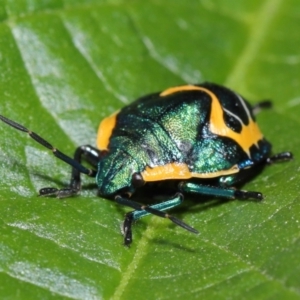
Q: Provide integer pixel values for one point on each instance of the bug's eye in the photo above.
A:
(137, 180)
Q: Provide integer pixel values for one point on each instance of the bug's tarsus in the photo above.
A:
(244, 195)
(283, 156)
(48, 191)
(126, 229)
(59, 193)
(264, 104)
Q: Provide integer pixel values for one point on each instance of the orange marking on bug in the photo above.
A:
(180, 171)
(250, 134)
(177, 89)
(105, 131)
(168, 171)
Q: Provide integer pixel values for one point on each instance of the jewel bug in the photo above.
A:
(204, 138)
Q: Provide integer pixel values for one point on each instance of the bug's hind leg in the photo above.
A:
(155, 209)
(218, 191)
(89, 154)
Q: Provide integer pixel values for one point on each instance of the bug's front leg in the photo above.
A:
(155, 209)
(88, 153)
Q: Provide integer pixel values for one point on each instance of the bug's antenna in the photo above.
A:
(70, 161)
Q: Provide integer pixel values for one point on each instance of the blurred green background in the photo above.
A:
(64, 66)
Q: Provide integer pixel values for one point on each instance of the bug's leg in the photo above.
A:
(143, 210)
(91, 155)
(137, 214)
(244, 174)
(264, 104)
(126, 228)
(216, 191)
(283, 156)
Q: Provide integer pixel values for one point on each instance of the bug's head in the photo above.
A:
(117, 174)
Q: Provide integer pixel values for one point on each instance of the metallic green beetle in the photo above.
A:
(203, 138)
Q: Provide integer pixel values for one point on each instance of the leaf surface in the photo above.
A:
(65, 65)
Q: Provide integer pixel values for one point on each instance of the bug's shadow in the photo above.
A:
(52, 181)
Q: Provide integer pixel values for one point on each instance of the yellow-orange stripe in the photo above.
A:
(180, 171)
(250, 134)
(105, 131)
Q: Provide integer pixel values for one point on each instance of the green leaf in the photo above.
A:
(65, 65)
